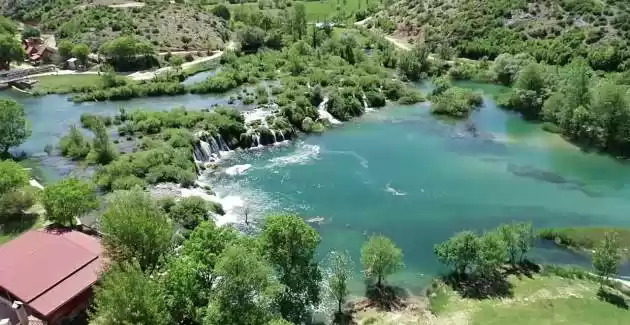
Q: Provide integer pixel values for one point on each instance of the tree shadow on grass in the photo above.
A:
(612, 298)
(524, 268)
(480, 286)
(344, 318)
(386, 297)
(15, 225)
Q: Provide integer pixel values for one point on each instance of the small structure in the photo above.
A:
(71, 63)
(36, 50)
(47, 275)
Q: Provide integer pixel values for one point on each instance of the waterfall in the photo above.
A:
(206, 149)
(222, 145)
(324, 114)
(258, 144)
(281, 135)
(214, 144)
(275, 139)
(365, 103)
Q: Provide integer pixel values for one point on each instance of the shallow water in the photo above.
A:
(398, 172)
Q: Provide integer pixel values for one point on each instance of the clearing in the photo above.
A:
(536, 300)
(65, 82)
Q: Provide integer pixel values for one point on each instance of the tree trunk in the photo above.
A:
(378, 282)
(339, 305)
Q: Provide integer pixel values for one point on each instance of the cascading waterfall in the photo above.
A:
(222, 145)
(209, 148)
(365, 102)
(324, 114)
(281, 135)
(275, 139)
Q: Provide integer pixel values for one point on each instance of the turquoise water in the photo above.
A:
(402, 173)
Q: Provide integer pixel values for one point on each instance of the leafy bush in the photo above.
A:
(455, 102)
(74, 145)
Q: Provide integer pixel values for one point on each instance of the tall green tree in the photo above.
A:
(67, 199)
(290, 244)
(414, 64)
(64, 49)
(14, 128)
(341, 271)
(246, 289)
(11, 50)
(510, 237)
(297, 21)
(459, 252)
(205, 244)
(606, 257)
(103, 150)
(7, 26)
(135, 228)
(125, 295)
(185, 290)
(525, 239)
(491, 255)
(81, 52)
(74, 145)
(12, 176)
(380, 258)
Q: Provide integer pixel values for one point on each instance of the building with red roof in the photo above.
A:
(50, 272)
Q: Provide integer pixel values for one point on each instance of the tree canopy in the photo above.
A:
(135, 229)
(11, 50)
(380, 258)
(290, 245)
(12, 176)
(67, 199)
(14, 128)
(606, 257)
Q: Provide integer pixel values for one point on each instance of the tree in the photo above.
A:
(606, 257)
(127, 296)
(176, 61)
(510, 237)
(7, 26)
(67, 199)
(135, 228)
(525, 239)
(459, 252)
(64, 48)
(341, 271)
(81, 52)
(103, 151)
(531, 77)
(14, 128)
(74, 144)
(221, 11)
(185, 291)
(204, 246)
(12, 176)
(245, 291)
(506, 67)
(190, 211)
(414, 63)
(491, 255)
(11, 50)
(297, 21)
(251, 38)
(290, 244)
(30, 32)
(380, 258)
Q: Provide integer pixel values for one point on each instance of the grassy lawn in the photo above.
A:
(64, 83)
(541, 300)
(32, 219)
(585, 237)
(321, 10)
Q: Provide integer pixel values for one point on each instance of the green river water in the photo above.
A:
(402, 173)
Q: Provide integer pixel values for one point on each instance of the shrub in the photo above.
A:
(74, 145)
(455, 102)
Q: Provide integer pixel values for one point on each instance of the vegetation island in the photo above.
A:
(290, 69)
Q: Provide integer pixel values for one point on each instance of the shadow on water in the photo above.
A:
(550, 177)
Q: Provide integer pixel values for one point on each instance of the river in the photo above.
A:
(402, 173)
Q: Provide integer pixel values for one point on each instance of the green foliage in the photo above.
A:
(606, 258)
(12, 176)
(74, 145)
(14, 128)
(11, 50)
(584, 237)
(519, 239)
(189, 212)
(491, 254)
(125, 295)
(414, 64)
(438, 297)
(14, 203)
(135, 229)
(81, 52)
(455, 102)
(64, 48)
(126, 51)
(380, 258)
(221, 11)
(103, 151)
(290, 245)
(341, 272)
(185, 291)
(459, 252)
(29, 32)
(246, 289)
(7, 26)
(67, 199)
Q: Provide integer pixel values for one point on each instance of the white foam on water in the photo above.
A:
(237, 169)
(393, 191)
(302, 154)
(324, 114)
(256, 115)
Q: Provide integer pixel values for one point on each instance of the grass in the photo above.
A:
(327, 9)
(542, 300)
(32, 219)
(65, 83)
(585, 237)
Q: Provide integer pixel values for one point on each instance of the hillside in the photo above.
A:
(551, 30)
(168, 26)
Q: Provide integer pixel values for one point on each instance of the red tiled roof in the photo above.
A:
(47, 269)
